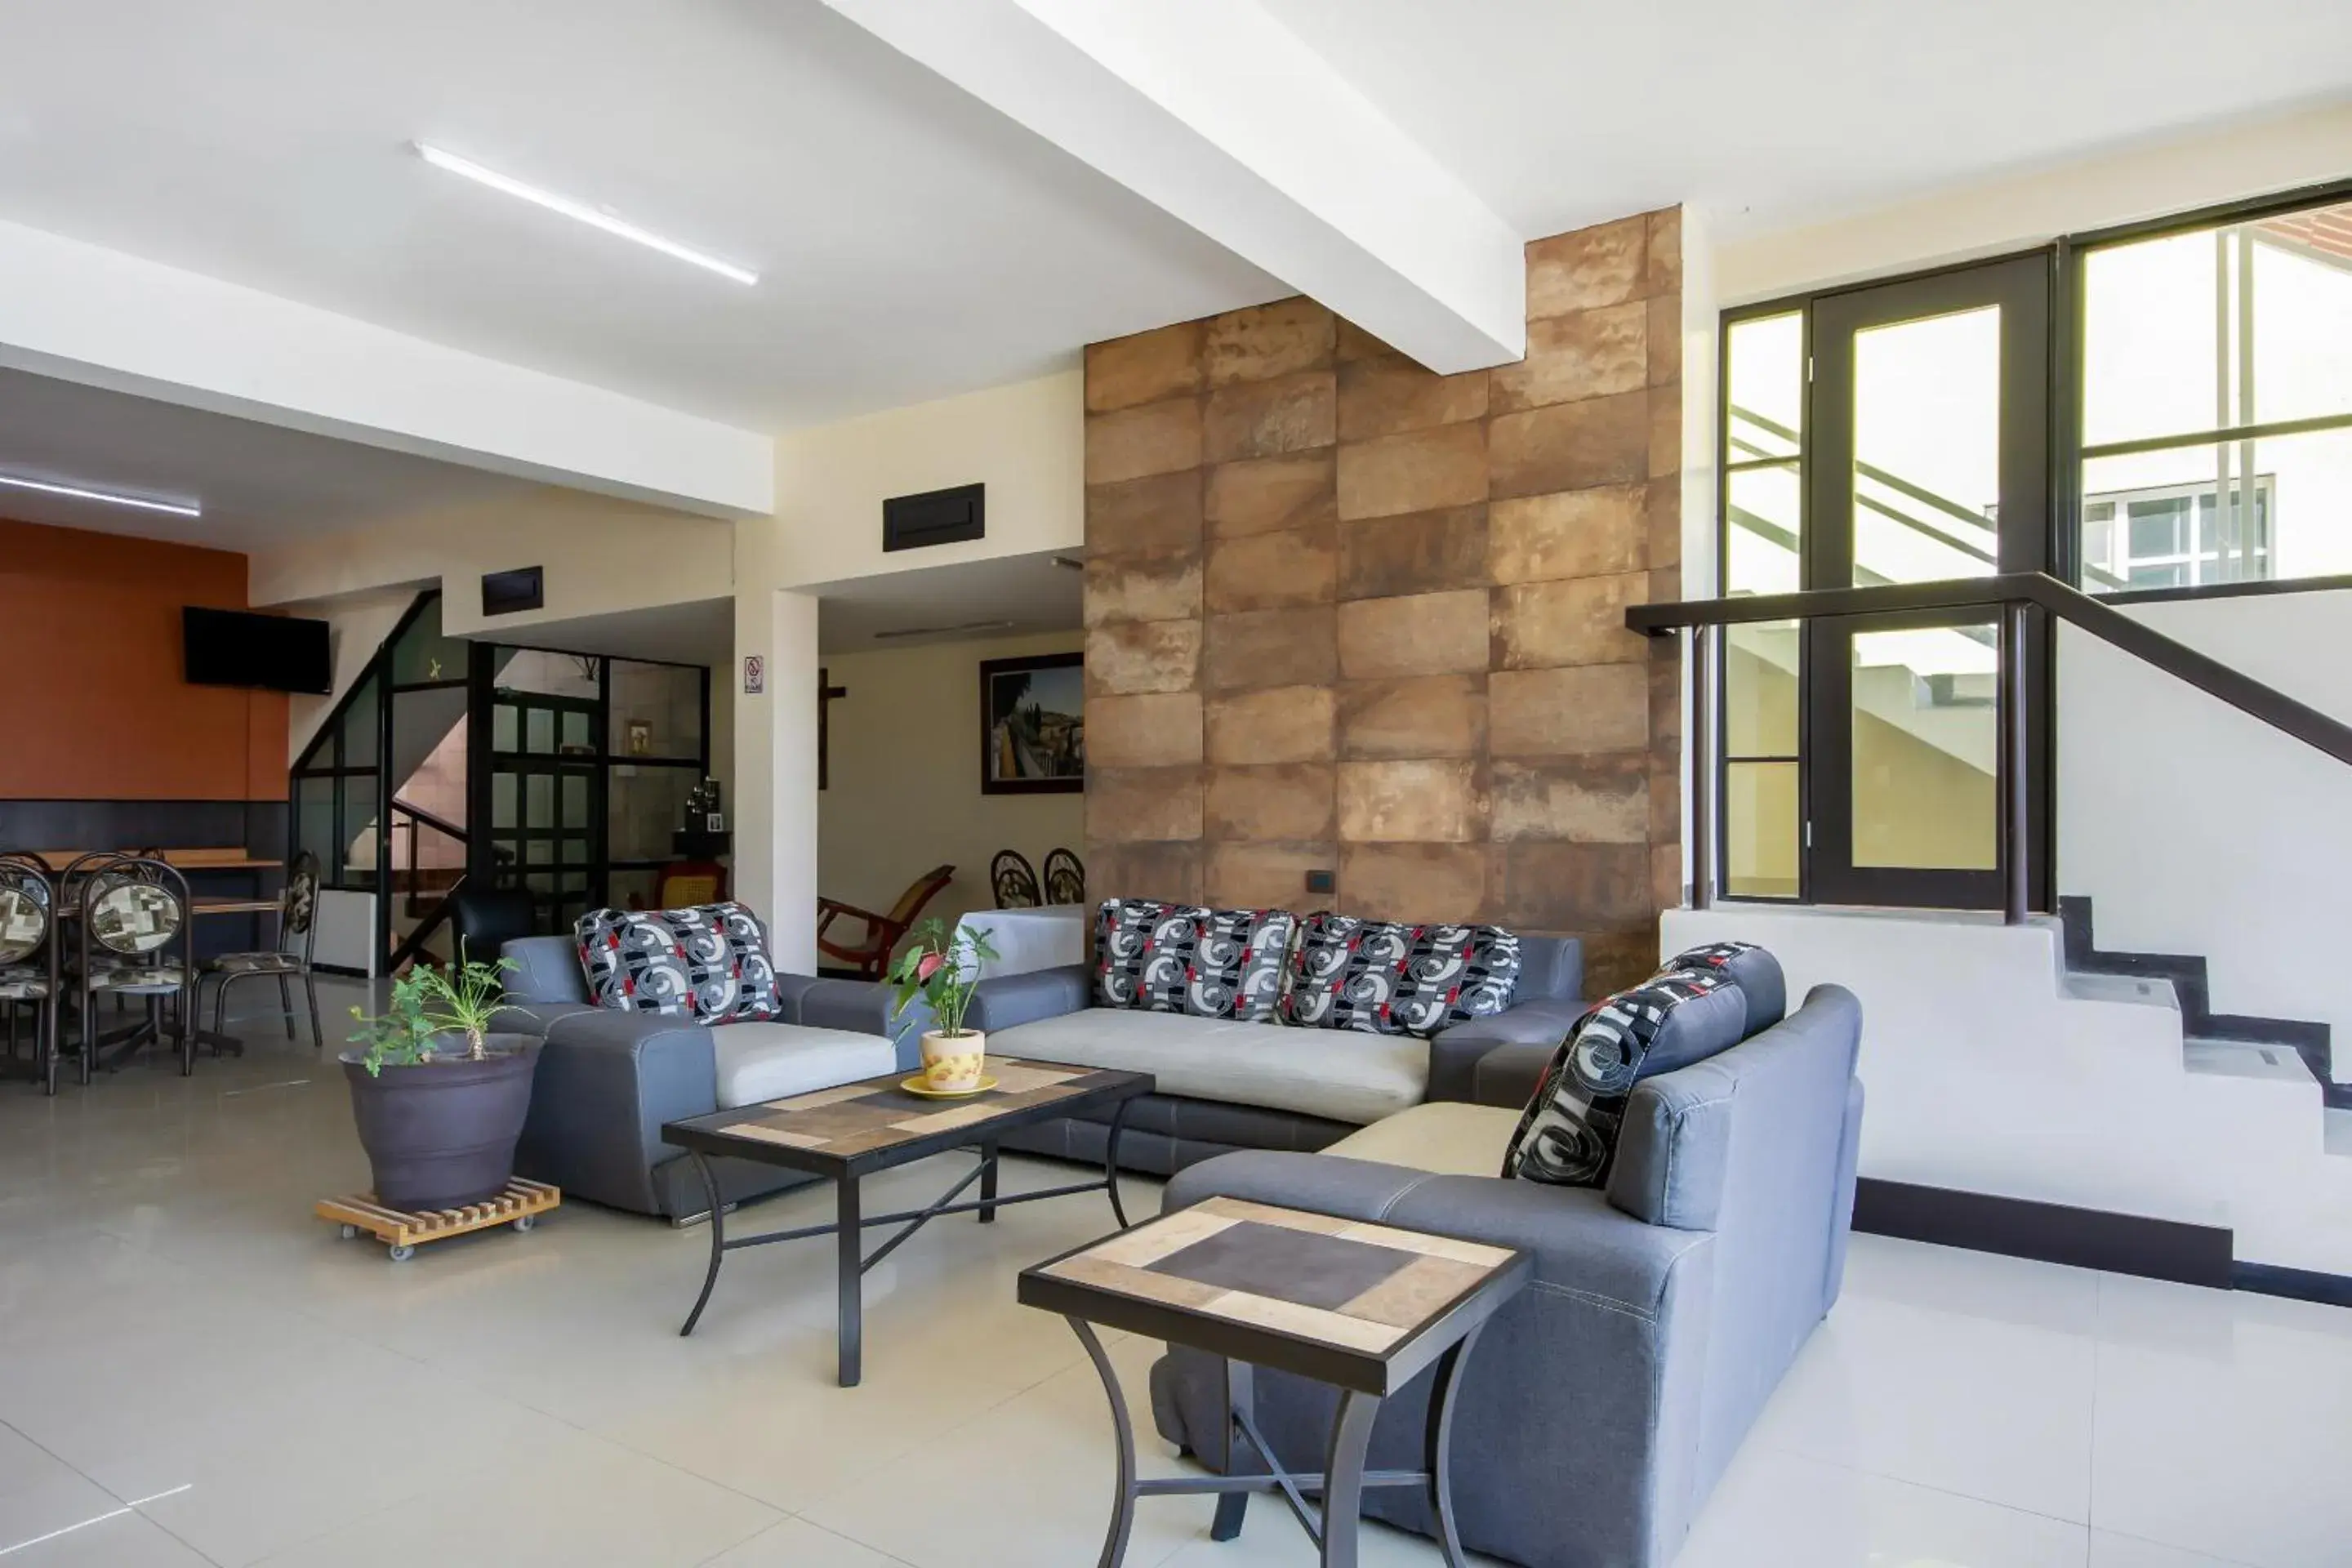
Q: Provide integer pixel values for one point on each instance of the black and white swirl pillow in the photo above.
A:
(1345, 972)
(1180, 958)
(710, 963)
(1455, 974)
(1568, 1134)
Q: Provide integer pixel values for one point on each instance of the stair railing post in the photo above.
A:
(1698, 653)
(2016, 828)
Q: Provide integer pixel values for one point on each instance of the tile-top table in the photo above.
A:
(848, 1133)
(1362, 1307)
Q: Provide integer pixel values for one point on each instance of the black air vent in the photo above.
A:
(935, 517)
(510, 593)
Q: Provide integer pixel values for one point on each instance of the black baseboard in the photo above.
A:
(2049, 1233)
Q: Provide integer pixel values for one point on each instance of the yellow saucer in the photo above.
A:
(916, 1085)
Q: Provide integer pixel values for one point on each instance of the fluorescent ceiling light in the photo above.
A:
(177, 509)
(592, 216)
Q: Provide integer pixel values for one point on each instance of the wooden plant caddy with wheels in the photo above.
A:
(520, 1206)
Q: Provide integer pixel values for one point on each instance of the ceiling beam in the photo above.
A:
(86, 314)
(1216, 113)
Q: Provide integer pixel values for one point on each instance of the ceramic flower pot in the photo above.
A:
(952, 1063)
(442, 1134)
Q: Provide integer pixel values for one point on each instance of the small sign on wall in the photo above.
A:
(755, 675)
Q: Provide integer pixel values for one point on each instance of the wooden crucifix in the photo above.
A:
(825, 692)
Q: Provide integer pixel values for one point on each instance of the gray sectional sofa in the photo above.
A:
(1606, 1399)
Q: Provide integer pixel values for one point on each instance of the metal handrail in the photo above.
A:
(438, 824)
(2013, 595)
(412, 946)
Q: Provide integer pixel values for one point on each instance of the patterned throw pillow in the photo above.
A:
(1568, 1134)
(1382, 978)
(710, 963)
(1179, 958)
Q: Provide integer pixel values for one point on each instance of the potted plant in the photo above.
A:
(941, 968)
(439, 1096)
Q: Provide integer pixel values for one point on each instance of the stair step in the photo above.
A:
(2244, 1059)
(2082, 986)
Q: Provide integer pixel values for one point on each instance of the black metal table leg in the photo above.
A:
(988, 1184)
(849, 1271)
(1343, 1478)
(1110, 1162)
(718, 1240)
(1240, 1395)
(1122, 1517)
(1441, 1443)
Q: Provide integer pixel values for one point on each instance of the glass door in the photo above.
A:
(546, 800)
(1928, 462)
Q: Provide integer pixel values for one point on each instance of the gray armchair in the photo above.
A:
(1607, 1398)
(608, 1079)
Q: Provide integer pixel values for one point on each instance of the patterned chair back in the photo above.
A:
(1014, 880)
(28, 909)
(298, 906)
(134, 909)
(1066, 879)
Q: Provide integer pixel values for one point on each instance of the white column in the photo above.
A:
(775, 763)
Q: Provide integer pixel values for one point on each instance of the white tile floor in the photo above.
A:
(193, 1369)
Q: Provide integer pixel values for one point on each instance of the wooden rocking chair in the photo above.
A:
(871, 952)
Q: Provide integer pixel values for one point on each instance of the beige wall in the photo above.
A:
(905, 790)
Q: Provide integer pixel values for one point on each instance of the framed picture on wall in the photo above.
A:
(1032, 738)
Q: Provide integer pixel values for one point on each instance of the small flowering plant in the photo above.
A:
(941, 968)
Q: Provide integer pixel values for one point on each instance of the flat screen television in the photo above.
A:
(274, 653)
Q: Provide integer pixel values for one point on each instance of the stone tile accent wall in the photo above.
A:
(1344, 614)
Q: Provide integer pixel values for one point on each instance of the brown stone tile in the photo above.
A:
(1266, 876)
(1151, 730)
(1664, 271)
(1666, 585)
(1167, 871)
(1120, 590)
(1666, 800)
(1665, 679)
(1603, 265)
(1281, 801)
(1128, 657)
(1616, 960)
(1273, 571)
(1270, 647)
(1144, 368)
(1278, 724)
(1153, 438)
(1420, 470)
(1413, 881)
(1419, 716)
(1665, 876)
(1420, 800)
(1579, 621)
(1386, 394)
(1580, 887)
(1568, 712)
(1664, 335)
(1418, 634)
(1662, 509)
(1266, 419)
(1155, 518)
(1598, 799)
(1565, 446)
(1569, 533)
(1381, 557)
(1266, 495)
(1666, 430)
(1128, 806)
(1355, 343)
(1268, 340)
(1585, 353)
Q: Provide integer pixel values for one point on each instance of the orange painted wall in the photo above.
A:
(92, 705)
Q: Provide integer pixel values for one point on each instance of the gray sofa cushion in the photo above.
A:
(770, 1062)
(546, 969)
(1334, 1074)
(1755, 971)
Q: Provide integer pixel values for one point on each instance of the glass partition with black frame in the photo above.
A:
(2158, 412)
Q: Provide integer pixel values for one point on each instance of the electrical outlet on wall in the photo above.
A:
(1322, 882)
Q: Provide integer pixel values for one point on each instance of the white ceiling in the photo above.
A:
(258, 484)
(1565, 112)
(912, 242)
(949, 604)
(698, 631)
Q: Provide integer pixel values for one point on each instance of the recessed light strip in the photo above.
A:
(579, 211)
(177, 509)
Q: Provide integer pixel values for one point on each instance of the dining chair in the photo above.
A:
(1014, 880)
(867, 955)
(298, 941)
(133, 915)
(28, 958)
(1066, 878)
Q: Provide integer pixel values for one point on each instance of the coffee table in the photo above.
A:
(1361, 1307)
(849, 1132)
